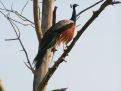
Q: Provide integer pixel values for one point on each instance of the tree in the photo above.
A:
(41, 24)
(1, 86)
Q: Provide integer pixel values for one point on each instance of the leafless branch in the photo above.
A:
(18, 14)
(2, 4)
(62, 89)
(29, 67)
(80, 32)
(22, 23)
(89, 7)
(78, 25)
(116, 2)
(26, 54)
(54, 15)
(15, 28)
(24, 6)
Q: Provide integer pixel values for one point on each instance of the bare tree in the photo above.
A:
(42, 22)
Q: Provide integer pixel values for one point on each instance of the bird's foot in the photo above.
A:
(65, 48)
(53, 50)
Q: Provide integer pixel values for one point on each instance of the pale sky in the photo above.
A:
(94, 64)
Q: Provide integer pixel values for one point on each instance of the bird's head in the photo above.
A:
(74, 5)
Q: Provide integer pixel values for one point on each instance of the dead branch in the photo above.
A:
(24, 24)
(89, 8)
(24, 6)
(15, 28)
(18, 33)
(54, 15)
(62, 89)
(37, 20)
(2, 4)
(20, 16)
(26, 54)
(15, 12)
(80, 32)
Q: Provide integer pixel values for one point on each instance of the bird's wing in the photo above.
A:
(61, 25)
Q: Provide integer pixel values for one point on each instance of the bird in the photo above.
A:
(60, 33)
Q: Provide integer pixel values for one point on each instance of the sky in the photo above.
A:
(94, 64)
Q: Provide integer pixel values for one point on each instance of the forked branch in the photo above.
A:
(18, 38)
(17, 32)
(89, 8)
(20, 16)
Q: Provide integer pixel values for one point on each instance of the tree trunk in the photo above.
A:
(47, 11)
(1, 86)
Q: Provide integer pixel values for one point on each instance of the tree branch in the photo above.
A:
(20, 16)
(15, 28)
(62, 89)
(61, 58)
(89, 7)
(37, 19)
(18, 37)
(54, 15)
(24, 6)
(1, 86)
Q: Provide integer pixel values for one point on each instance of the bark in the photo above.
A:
(1, 86)
(36, 11)
(47, 14)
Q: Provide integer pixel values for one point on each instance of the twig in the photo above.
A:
(15, 12)
(54, 15)
(60, 59)
(78, 25)
(22, 23)
(116, 2)
(62, 89)
(89, 7)
(18, 37)
(16, 30)
(18, 14)
(24, 6)
(2, 4)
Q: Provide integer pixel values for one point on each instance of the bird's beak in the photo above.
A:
(77, 5)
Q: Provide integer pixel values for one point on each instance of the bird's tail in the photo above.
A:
(39, 58)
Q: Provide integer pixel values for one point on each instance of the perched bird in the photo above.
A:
(61, 32)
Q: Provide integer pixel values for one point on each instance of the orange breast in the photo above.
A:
(66, 36)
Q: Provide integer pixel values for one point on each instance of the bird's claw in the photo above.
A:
(54, 50)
